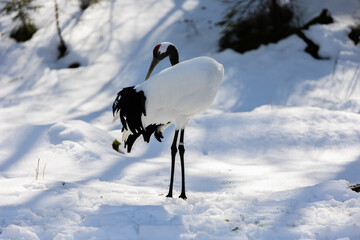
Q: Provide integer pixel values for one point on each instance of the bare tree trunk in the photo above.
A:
(62, 46)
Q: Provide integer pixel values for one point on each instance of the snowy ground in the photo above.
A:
(272, 158)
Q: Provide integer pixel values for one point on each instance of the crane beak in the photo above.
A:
(154, 62)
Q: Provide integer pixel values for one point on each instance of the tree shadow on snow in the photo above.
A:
(24, 145)
(350, 172)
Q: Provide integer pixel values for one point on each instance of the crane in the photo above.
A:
(172, 96)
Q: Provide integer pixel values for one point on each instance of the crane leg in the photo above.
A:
(173, 154)
(181, 153)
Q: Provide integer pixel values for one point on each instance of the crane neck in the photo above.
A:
(173, 55)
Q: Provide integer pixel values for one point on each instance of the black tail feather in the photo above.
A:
(152, 129)
(131, 106)
(149, 130)
(130, 141)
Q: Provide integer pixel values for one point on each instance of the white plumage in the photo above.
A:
(172, 96)
(181, 91)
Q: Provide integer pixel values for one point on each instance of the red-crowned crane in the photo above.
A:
(172, 96)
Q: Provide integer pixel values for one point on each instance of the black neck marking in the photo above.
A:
(171, 52)
(173, 55)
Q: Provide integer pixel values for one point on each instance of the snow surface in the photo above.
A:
(271, 159)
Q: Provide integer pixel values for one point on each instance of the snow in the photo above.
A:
(271, 159)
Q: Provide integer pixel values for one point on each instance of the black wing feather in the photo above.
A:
(131, 105)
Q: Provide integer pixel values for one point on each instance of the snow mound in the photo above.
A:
(272, 158)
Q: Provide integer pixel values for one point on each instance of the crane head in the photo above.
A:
(161, 51)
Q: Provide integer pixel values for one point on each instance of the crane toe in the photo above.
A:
(183, 196)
